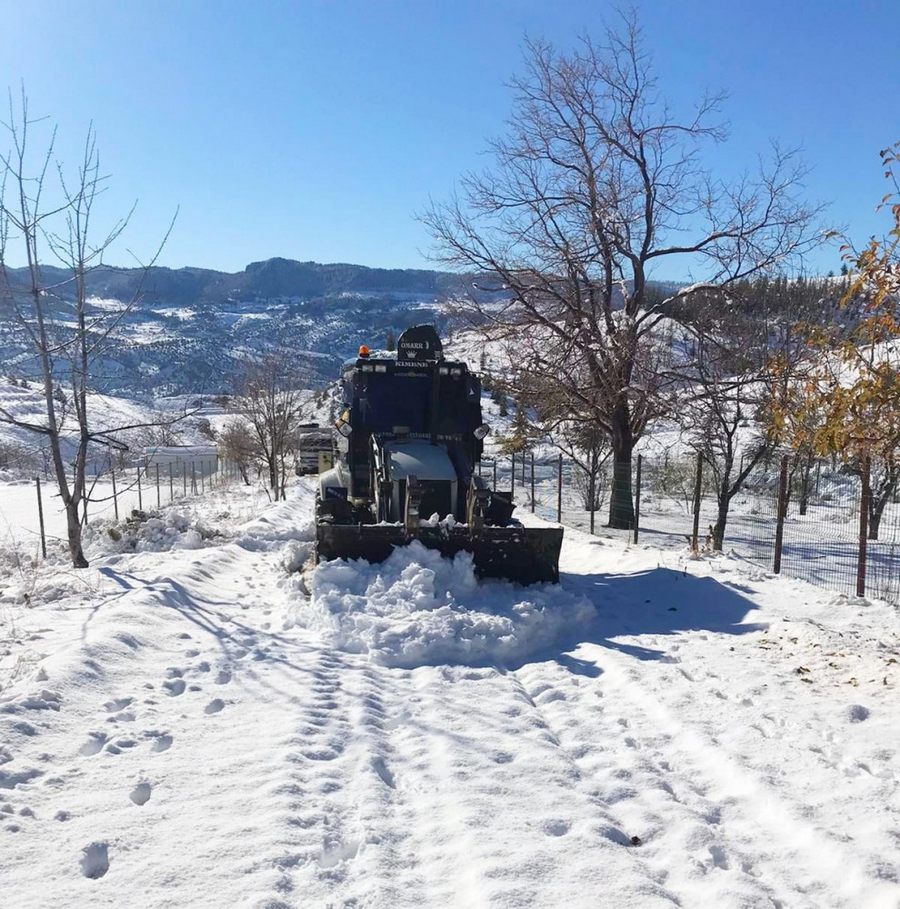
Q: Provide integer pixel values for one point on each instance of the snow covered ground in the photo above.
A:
(198, 724)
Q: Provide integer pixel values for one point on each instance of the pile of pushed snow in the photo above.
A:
(171, 529)
(418, 608)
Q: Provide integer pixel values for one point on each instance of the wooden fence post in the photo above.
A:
(637, 499)
(532, 482)
(559, 491)
(698, 489)
(592, 494)
(782, 513)
(112, 471)
(37, 481)
(865, 494)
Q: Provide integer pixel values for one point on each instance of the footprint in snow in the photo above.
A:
(214, 706)
(556, 827)
(95, 860)
(384, 773)
(140, 795)
(117, 704)
(162, 743)
(718, 856)
(94, 744)
(174, 687)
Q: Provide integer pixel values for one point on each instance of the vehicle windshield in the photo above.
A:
(388, 400)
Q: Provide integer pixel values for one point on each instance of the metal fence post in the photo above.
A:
(494, 487)
(864, 496)
(559, 491)
(202, 472)
(637, 499)
(171, 489)
(592, 494)
(112, 471)
(193, 478)
(513, 474)
(37, 481)
(158, 497)
(140, 495)
(184, 477)
(532, 482)
(782, 512)
(698, 489)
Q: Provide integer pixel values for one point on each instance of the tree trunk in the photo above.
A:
(874, 525)
(878, 502)
(621, 503)
(876, 510)
(805, 474)
(73, 526)
(718, 531)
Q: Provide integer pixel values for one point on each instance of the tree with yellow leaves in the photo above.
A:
(845, 401)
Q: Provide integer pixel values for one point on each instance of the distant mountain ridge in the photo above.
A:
(277, 277)
(192, 327)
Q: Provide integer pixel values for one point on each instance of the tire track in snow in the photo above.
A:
(717, 833)
(346, 825)
(500, 818)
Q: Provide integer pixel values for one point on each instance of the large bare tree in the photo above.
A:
(49, 215)
(270, 400)
(598, 186)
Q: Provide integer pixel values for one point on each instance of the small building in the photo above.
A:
(182, 460)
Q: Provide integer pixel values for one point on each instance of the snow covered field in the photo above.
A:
(198, 724)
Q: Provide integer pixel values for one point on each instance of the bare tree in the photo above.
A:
(65, 349)
(588, 447)
(239, 447)
(598, 185)
(722, 394)
(269, 397)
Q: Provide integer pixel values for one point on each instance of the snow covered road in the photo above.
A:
(206, 728)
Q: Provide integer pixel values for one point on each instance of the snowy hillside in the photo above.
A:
(106, 412)
(198, 724)
(190, 326)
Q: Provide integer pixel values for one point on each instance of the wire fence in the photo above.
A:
(36, 512)
(808, 519)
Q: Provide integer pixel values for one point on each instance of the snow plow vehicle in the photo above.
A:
(409, 440)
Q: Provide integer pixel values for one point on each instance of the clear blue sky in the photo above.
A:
(316, 130)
